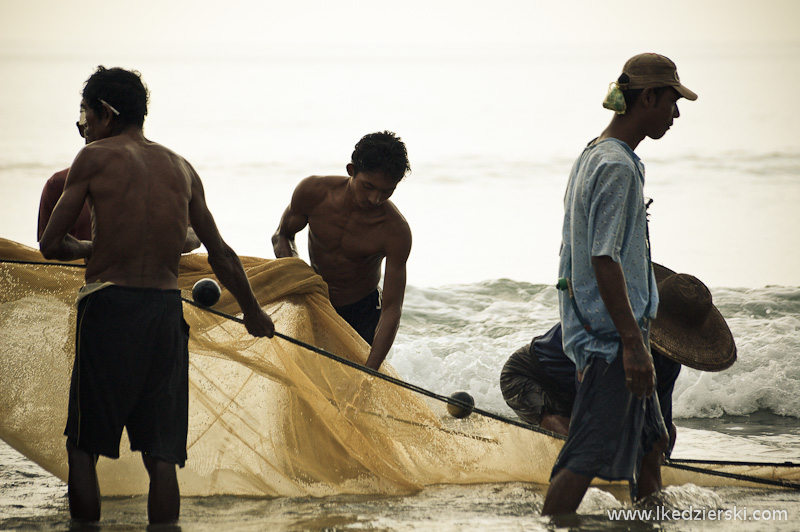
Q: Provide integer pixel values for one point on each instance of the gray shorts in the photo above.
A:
(611, 429)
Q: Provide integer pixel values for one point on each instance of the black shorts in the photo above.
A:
(131, 370)
(363, 315)
(611, 429)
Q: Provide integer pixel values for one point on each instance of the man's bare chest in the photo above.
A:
(352, 236)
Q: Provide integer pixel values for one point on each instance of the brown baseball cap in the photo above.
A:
(653, 70)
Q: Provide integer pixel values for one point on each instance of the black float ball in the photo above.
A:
(206, 292)
(459, 411)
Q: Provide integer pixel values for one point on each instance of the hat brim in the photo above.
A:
(707, 347)
(662, 272)
(686, 93)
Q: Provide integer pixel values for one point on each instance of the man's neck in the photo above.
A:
(623, 130)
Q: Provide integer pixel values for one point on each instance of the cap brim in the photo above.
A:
(686, 93)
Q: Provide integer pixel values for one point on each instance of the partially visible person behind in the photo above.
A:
(616, 431)
(53, 187)
(131, 360)
(539, 381)
(352, 228)
(82, 230)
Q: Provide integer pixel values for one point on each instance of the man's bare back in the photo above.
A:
(139, 194)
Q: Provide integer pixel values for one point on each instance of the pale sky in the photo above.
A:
(400, 22)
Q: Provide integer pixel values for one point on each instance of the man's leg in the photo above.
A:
(565, 492)
(164, 498)
(650, 477)
(555, 423)
(82, 486)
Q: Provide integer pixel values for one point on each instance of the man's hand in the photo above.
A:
(259, 324)
(636, 359)
(639, 372)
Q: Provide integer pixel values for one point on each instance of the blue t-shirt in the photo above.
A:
(604, 215)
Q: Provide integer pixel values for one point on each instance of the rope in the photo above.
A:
(389, 378)
(43, 263)
(677, 464)
(768, 481)
(734, 463)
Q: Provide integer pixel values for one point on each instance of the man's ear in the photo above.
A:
(351, 169)
(107, 117)
(649, 97)
(108, 114)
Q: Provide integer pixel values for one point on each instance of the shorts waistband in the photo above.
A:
(91, 288)
(375, 295)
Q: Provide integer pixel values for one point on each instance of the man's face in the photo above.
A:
(371, 189)
(81, 123)
(664, 113)
(90, 125)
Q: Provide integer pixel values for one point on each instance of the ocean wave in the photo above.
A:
(458, 337)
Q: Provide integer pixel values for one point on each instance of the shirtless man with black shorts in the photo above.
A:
(131, 365)
(353, 227)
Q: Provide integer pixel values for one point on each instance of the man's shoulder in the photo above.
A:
(99, 152)
(609, 159)
(397, 230)
(314, 190)
(315, 182)
(320, 184)
(395, 217)
(611, 152)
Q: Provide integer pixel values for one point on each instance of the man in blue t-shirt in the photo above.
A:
(617, 431)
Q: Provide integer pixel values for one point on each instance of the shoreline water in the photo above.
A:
(32, 499)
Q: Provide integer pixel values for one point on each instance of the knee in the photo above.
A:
(555, 423)
(157, 467)
(523, 396)
(78, 457)
(663, 443)
(673, 435)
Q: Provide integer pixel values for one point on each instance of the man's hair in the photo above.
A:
(121, 89)
(382, 151)
(632, 95)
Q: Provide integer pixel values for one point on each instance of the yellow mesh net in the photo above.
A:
(268, 417)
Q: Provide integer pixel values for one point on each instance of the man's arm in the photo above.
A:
(283, 243)
(295, 218)
(226, 264)
(46, 205)
(55, 243)
(394, 289)
(638, 362)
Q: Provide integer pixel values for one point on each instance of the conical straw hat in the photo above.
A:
(688, 328)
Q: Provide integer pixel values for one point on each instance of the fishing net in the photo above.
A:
(270, 417)
(266, 417)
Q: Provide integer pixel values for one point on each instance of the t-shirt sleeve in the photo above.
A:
(612, 192)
